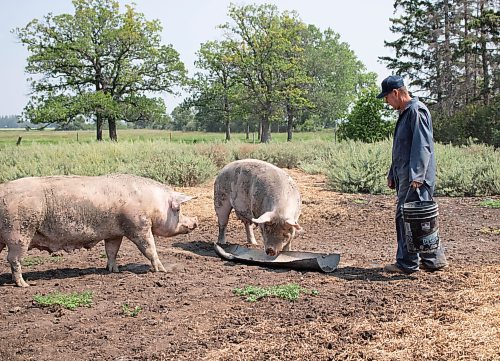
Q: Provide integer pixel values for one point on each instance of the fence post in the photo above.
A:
(19, 140)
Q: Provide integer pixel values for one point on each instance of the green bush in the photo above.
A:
(359, 168)
(369, 120)
(467, 171)
(478, 122)
(350, 166)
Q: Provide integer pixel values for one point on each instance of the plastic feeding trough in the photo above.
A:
(306, 261)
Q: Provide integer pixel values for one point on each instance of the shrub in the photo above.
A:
(467, 171)
(478, 122)
(367, 121)
(359, 168)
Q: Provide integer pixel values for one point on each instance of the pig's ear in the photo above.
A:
(266, 217)
(179, 198)
(294, 224)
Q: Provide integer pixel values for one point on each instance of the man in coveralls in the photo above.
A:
(413, 165)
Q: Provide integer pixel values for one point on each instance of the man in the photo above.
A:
(413, 165)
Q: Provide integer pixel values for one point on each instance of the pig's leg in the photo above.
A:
(112, 246)
(2, 246)
(288, 246)
(249, 230)
(146, 244)
(17, 250)
(223, 210)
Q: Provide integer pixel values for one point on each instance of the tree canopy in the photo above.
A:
(98, 63)
(272, 67)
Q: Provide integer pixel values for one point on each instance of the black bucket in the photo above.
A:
(421, 225)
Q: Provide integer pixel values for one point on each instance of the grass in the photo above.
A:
(31, 261)
(490, 203)
(129, 311)
(490, 230)
(290, 292)
(359, 201)
(66, 300)
(10, 137)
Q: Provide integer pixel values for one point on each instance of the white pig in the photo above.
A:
(260, 193)
(70, 212)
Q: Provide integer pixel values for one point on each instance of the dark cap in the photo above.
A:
(389, 84)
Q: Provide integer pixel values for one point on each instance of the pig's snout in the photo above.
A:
(193, 224)
(187, 226)
(271, 251)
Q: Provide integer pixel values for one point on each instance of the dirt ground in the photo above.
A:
(191, 313)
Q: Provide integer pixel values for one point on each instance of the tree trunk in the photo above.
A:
(112, 130)
(228, 130)
(99, 127)
(226, 117)
(247, 131)
(484, 56)
(290, 116)
(259, 130)
(265, 136)
(466, 52)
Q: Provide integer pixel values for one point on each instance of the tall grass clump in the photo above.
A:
(349, 166)
(175, 164)
(473, 170)
(318, 155)
(283, 155)
(359, 167)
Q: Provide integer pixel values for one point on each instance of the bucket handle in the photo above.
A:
(418, 192)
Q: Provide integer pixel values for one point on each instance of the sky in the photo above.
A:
(363, 24)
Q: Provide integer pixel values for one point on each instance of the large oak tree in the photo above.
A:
(98, 63)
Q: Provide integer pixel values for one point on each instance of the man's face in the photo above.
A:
(392, 98)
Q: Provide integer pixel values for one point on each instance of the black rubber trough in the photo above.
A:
(305, 261)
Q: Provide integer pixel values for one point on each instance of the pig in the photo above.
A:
(70, 212)
(260, 194)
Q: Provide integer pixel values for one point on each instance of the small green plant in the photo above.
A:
(129, 311)
(490, 203)
(290, 292)
(69, 301)
(359, 201)
(490, 230)
(31, 261)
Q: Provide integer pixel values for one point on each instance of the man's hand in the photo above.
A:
(390, 183)
(415, 184)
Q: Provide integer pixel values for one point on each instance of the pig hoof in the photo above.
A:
(159, 268)
(113, 269)
(22, 283)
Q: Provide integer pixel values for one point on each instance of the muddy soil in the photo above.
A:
(191, 312)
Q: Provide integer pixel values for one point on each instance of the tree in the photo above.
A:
(98, 63)
(262, 41)
(369, 120)
(183, 118)
(338, 75)
(216, 86)
(448, 49)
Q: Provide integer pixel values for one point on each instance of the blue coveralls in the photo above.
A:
(413, 160)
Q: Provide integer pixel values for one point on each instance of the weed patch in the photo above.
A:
(31, 261)
(490, 203)
(130, 311)
(69, 301)
(290, 292)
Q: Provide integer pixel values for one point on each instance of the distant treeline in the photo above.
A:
(12, 121)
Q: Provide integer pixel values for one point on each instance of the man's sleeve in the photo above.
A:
(420, 153)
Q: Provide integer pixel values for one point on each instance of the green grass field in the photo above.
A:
(11, 136)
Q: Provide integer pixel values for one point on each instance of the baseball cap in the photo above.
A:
(389, 84)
